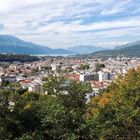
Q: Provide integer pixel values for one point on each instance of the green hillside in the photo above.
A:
(17, 57)
(131, 51)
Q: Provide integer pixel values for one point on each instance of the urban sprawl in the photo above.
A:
(99, 73)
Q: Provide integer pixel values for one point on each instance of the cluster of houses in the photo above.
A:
(30, 75)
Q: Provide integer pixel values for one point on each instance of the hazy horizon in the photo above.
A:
(63, 24)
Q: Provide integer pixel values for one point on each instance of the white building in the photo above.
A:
(55, 67)
(34, 87)
(104, 76)
(20, 78)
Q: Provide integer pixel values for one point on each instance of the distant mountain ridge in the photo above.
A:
(12, 44)
(127, 45)
(128, 50)
(85, 49)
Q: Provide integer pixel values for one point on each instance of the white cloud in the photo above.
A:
(61, 23)
(61, 27)
(115, 7)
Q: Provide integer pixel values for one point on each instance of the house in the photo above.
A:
(34, 87)
(9, 79)
(55, 67)
(73, 76)
(25, 83)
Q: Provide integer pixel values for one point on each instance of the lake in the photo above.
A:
(64, 55)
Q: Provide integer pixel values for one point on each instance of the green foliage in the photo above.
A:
(120, 117)
(84, 66)
(17, 57)
(131, 51)
(53, 85)
(99, 66)
(75, 105)
(4, 83)
(34, 70)
(114, 115)
(52, 117)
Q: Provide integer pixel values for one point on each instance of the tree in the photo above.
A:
(114, 114)
(84, 66)
(52, 85)
(52, 117)
(75, 105)
(117, 114)
(99, 66)
(4, 114)
(35, 70)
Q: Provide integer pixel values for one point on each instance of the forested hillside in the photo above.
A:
(131, 51)
(17, 57)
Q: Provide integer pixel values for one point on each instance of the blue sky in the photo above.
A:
(66, 23)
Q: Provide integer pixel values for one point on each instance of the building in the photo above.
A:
(89, 77)
(25, 84)
(55, 67)
(104, 76)
(72, 76)
(8, 79)
(34, 87)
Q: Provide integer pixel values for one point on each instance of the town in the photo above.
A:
(98, 73)
(70, 70)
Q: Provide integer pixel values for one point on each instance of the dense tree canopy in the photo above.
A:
(112, 115)
(84, 66)
(17, 57)
(116, 113)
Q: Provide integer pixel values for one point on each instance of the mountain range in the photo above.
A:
(128, 50)
(12, 44)
(131, 44)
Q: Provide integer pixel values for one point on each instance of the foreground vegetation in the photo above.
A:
(114, 115)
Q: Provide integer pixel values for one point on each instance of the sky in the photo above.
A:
(67, 23)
